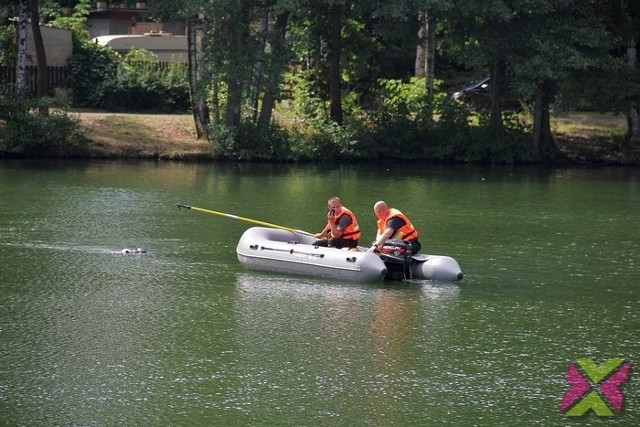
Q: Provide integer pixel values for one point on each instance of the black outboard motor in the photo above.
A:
(396, 255)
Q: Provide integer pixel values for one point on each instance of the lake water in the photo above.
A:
(184, 335)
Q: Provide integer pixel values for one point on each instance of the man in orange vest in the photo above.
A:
(342, 230)
(393, 224)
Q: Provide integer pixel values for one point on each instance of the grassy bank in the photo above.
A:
(585, 137)
(143, 136)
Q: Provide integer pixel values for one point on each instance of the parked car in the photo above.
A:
(478, 94)
(478, 88)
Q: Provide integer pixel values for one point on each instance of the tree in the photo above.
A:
(193, 14)
(319, 27)
(335, 51)
(76, 22)
(195, 72)
(484, 30)
(30, 9)
(41, 57)
(573, 41)
(633, 118)
(622, 19)
(425, 64)
(21, 63)
(275, 66)
(535, 46)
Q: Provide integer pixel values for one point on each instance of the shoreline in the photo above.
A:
(585, 138)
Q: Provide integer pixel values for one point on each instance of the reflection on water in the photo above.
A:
(358, 340)
(184, 335)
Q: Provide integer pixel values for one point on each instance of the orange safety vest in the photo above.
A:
(352, 232)
(406, 232)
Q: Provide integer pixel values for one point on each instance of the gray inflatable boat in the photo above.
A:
(284, 251)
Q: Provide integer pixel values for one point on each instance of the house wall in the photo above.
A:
(58, 46)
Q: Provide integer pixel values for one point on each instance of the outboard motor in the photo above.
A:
(396, 255)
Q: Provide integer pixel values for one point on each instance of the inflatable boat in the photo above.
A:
(285, 251)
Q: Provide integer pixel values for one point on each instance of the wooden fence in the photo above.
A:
(57, 77)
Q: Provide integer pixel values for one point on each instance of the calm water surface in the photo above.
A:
(186, 336)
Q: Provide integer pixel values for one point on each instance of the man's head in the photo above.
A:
(381, 210)
(334, 204)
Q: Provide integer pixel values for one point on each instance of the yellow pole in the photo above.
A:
(240, 218)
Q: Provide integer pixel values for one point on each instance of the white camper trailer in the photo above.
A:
(167, 47)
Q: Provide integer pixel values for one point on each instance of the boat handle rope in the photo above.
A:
(291, 251)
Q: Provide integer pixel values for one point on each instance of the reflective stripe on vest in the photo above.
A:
(406, 232)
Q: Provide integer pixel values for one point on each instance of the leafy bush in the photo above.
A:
(25, 133)
(91, 68)
(99, 79)
(249, 142)
(460, 140)
(329, 142)
(398, 125)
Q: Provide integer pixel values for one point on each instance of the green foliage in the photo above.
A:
(510, 144)
(386, 114)
(100, 79)
(462, 136)
(7, 45)
(248, 142)
(403, 98)
(91, 67)
(328, 143)
(140, 85)
(76, 22)
(450, 134)
(398, 126)
(307, 98)
(24, 133)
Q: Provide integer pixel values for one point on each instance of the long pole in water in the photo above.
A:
(240, 218)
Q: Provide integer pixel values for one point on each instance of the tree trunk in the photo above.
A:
(256, 80)
(209, 45)
(420, 67)
(544, 146)
(237, 27)
(21, 64)
(41, 57)
(632, 137)
(537, 124)
(278, 59)
(430, 62)
(196, 89)
(335, 47)
(430, 65)
(234, 100)
(495, 108)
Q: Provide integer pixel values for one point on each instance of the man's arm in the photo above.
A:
(343, 222)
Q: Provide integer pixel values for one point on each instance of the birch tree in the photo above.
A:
(21, 63)
(41, 57)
